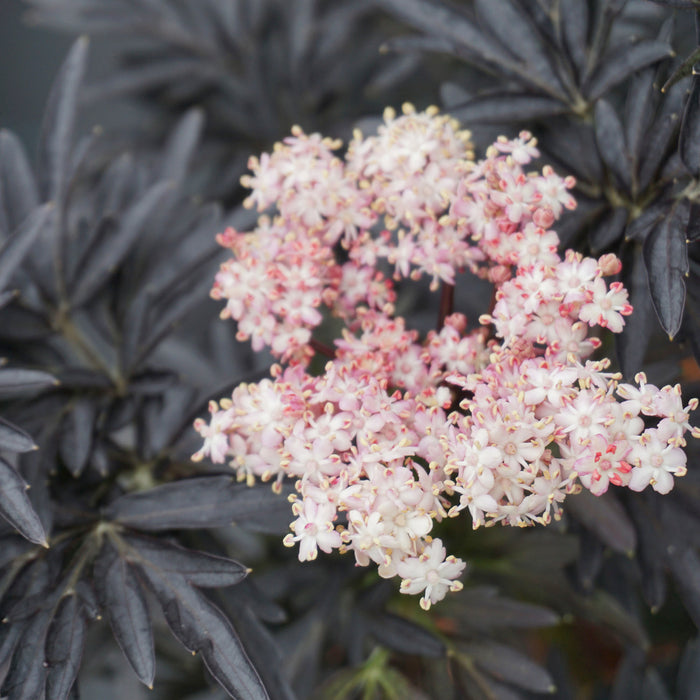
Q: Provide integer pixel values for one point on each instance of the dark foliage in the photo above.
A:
(254, 68)
(113, 350)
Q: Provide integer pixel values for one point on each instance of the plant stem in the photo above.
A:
(447, 300)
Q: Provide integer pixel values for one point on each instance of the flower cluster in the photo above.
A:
(398, 432)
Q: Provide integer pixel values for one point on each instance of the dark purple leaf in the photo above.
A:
(506, 664)
(507, 107)
(64, 648)
(621, 62)
(121, 596)
(521, 38)
(679, 4)
(402, 635)
(202, 627)
(56, 139)
(661, 139)
(590, 559)
(611, 143)
(692, 233)
(198, 568)
(446, 22)
(689, 138)
(15, 506)
(148, 77)
(76, 436)
(18, 191)
(632, 343)
(482, 609)
(152, 382)
(206, 501)
(684, 70)
(20, 242)
(689, 671)
(608, 230)
(639, 227)
(181, 146)
(260, 647)
(106, 257)
(573, 19)
(666, 260)
(13, 439)
(20, 324)
(27, 675)
(24, 382)
(639, 112)
(604, 516)
(653, 687)
(628, 680)
(685, 568)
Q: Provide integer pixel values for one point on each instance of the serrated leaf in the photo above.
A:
(260, 647)
(611, 143)
(621, 62)
(64, 648)
(202, 627)
(27, 675)
(15, 506)
(666, 260)
(120, 594)
(20, 242)
(661, 140)
(521, 38)
(56, 139)
(507, 107)
(77, 434)
(506, 664)
(18, 190)
(402, 635)
(198, 568)
(689, 137)
(689, 671)
(604, 516)
(107, 256)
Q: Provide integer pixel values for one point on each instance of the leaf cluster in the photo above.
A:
(113, 349)
(254, 68)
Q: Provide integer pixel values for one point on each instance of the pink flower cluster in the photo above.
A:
(398, 432)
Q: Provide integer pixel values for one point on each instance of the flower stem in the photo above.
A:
(322, 348)
(447, 300)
